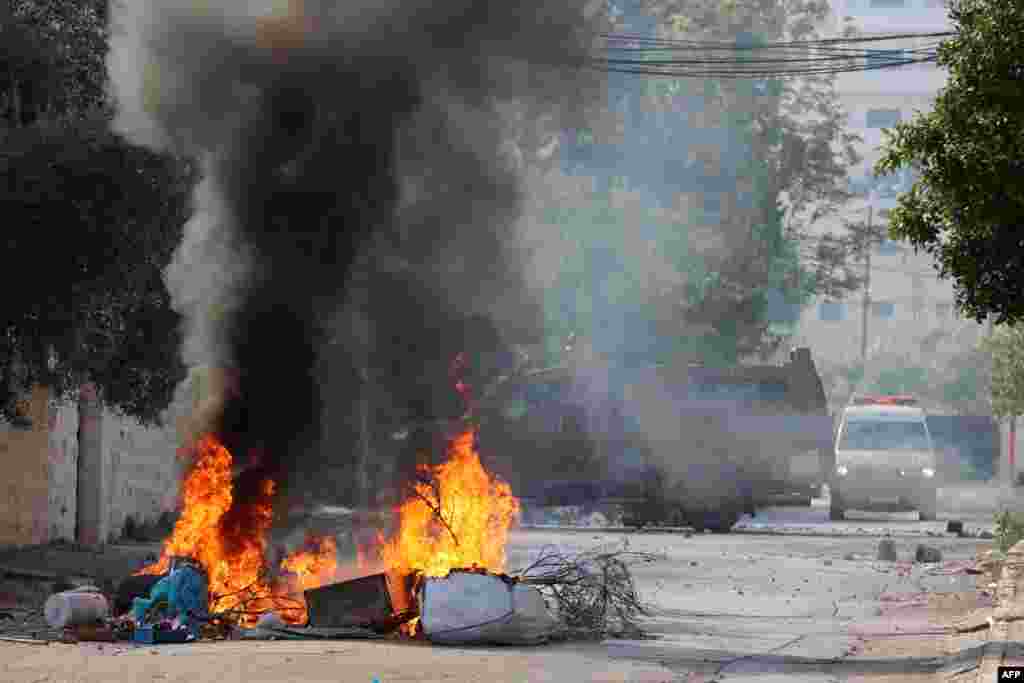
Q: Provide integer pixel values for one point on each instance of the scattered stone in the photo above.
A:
(693, 563)
(926, 554)
(828, 563)
(886, 551)
(849, 557)
(955, 527)
(987, 535)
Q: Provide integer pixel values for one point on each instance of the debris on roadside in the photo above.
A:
(76, 607)
(990, 563)
(926, 554)
(176, 606)
(977, 620)
(887, 551)
(377, 602)
(467, 607)
(97, 632)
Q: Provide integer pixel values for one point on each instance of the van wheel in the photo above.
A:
(927, 508)
(836, 508)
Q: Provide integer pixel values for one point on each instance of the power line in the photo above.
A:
(803, 43)
(803, 58)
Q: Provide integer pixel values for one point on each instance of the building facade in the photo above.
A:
(906, 315)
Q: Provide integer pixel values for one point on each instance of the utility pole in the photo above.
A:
(869, 242)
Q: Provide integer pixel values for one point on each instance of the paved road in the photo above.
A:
(975, 510)
(789, 597)
(774, 606)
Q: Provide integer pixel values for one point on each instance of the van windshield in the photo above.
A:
(881, 436)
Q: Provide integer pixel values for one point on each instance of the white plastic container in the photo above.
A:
(75, 607)
(466, 607)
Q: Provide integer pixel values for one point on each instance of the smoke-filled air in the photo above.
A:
(359, 202)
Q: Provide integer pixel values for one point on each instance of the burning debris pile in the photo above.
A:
(443, 568)
(361, 185)
(239, 584)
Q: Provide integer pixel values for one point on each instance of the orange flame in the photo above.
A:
(235, 562)
(459, 520)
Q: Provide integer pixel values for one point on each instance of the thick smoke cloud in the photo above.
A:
(360, 197)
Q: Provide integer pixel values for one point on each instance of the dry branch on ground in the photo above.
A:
(594, 591)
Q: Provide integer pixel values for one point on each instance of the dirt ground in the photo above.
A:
(312, 662)
(941, 610)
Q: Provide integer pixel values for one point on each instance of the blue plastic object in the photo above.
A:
(184, 591)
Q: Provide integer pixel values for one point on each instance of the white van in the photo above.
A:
(884, 458)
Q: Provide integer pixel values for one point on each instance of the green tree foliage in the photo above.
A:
(90, 221)
(1006, 348)
(745, 262)
(967, 207)
(799, 152)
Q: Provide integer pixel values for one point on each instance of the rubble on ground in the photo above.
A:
(926, 554)
(558, 597)
(887, 550)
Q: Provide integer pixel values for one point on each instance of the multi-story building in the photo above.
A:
(908, 314)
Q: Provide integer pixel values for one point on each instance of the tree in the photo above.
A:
(734, 227)
(99, 217)
(967, 206)
(796, 173)
(1006, 348)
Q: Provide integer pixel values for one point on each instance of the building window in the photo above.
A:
(882, 118)
(832, 311)
(883, 309)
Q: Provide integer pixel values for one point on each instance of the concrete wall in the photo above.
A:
(80, 471)
(24, 500)
(91, 525)
(127, 470)
(142, 471)
(63, 470)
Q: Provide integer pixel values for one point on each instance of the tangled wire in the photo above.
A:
(594, 590)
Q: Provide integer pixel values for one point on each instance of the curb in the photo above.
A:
(18, 573)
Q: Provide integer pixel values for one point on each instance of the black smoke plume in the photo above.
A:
(359, 205)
